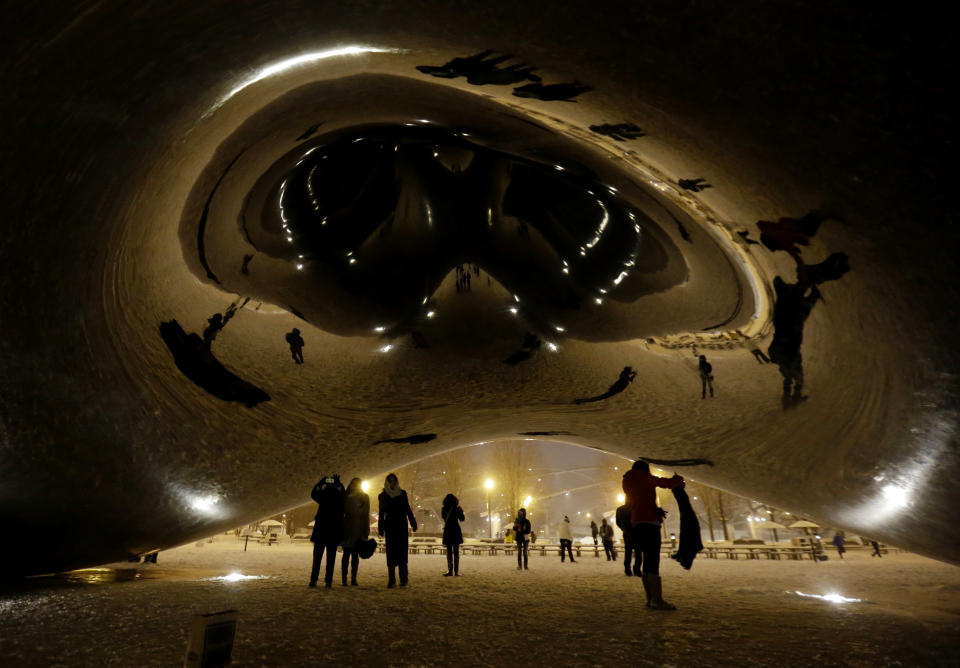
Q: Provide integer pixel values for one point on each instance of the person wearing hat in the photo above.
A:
(639, 487)
(392, 523)
(565, 534)
(356, 528)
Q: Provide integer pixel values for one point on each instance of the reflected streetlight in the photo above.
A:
(365, 485)
(527, 500)
(489, 485)
(621, 499)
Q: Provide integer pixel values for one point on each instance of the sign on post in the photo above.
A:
(211, 639)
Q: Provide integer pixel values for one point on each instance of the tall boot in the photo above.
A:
(656, 594)
(392, 578)
(525, 558)
(343, 570)
(353, 571)
(456, 562)
(449, 562)
(403, 575)
(646, 586)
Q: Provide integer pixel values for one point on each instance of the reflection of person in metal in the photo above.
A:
(626, 377)
(296, 343)
(521, 531)
(706, 377)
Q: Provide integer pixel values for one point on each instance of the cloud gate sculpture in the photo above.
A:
(247, 244)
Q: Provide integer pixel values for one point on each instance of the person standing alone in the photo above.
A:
(392, 523)
(452, 515)
(566, 539)
(521, 533)
(327, 526)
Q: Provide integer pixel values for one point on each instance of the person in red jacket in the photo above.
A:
(639, 486)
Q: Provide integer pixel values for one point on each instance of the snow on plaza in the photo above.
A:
(905, 612)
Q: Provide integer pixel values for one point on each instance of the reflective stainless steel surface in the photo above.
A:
(247, 244)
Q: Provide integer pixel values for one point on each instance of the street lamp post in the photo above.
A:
(489, 485)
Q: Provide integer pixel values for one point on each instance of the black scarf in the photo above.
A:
(690, 543)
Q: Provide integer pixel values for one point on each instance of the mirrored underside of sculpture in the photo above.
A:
(338, 240)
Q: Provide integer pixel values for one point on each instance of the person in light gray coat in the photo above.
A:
(356, 528)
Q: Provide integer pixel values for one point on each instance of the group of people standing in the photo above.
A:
(343, 519)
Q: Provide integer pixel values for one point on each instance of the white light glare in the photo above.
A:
(299, 267)
(297, 61)
(895, 496)
(559, 328)
(203, 504)
(237, 577)
(379, 328)
(552, 346)
(430, 314)
(513, 310)
(833, 597)
(387, 348)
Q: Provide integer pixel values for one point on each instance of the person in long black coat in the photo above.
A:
(521, 531)
(392, 523)
(356, 528)
(452, 515)
(327, 526)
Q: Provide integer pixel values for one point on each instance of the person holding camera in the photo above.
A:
(356, 528)
(521, 531)
(606, 535)
(327, 526)
(452, 515)
(392, 524)
(640, 489)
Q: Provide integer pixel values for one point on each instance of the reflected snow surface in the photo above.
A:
(238, 259)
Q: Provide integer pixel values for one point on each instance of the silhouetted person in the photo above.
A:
(295, 341)
(594, 531)
(392, 524)
(327, 526)
(565, 534)
(356, 528)
(214, 324)
(838, 543)
(626, 377)
(706, 377)
(521, 533)
(623, 522)
(606, 536)
(245, 267)
(640, 488)
(876, 549)
(691, 544)
(531, 344)
(694, 185)
(452, 515)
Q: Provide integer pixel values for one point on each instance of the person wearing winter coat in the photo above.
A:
(640, 488)
(392, 523)
(452, 514)
(565, 534)
(606, 535)
(327, 526)
(838, 543)
(623, 523)
(356, 528)
(594, 531)
(521, 532)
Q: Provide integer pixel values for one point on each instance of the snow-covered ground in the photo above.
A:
(732, 613)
